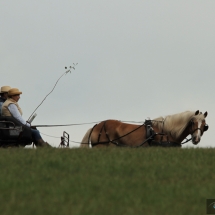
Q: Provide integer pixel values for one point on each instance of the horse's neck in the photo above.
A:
(184, 134)
(168, 134)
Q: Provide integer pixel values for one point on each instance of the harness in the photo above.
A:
(150, 135)
(114, 141)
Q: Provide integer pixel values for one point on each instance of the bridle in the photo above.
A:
(202, 131)
(193, 130)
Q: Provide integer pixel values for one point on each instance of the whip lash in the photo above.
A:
(69, 70)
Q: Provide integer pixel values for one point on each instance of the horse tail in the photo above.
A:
(86, 139)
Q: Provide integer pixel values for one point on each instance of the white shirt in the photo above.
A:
(16, 114)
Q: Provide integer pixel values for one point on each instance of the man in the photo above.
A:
(4, 95)
(11, 108)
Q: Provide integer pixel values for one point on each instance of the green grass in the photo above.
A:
(106, 181)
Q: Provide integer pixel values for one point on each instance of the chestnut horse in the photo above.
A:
(169, 131)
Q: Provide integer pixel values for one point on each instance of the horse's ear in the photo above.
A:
(205, 114)
(197, 112)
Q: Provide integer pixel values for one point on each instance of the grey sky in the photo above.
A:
(136, 59)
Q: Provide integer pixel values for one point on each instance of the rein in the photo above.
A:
(86, 123)
(149, 132)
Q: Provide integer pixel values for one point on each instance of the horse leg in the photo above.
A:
(85, 140)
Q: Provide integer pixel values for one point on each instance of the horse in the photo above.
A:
(167, 131)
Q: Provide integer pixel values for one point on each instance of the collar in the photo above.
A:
(12, 100)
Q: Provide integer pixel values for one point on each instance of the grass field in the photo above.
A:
(108, 181)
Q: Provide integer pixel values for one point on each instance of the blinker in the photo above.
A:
(206, 127)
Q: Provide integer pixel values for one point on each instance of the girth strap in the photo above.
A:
(150, 133)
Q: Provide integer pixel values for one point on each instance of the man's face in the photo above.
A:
(4, 95)
(16, 97)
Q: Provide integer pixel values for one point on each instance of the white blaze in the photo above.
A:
(199, 131)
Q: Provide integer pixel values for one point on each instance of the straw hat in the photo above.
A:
(5, 89)
(14, 91)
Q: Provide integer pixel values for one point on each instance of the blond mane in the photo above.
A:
(175, 124)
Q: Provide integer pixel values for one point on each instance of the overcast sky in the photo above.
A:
(136, 59)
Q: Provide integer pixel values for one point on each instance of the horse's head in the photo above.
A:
(198, 126)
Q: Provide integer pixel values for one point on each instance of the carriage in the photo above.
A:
(14, 134)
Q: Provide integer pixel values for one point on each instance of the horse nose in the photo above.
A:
(196, 140)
